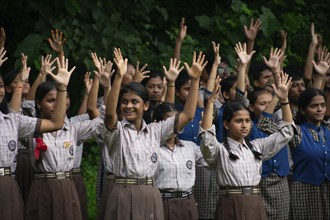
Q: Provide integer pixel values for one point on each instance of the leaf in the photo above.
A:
(163, 12)
(205, 22)
(269, 22)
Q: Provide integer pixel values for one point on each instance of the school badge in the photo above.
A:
(154, 158)
(12, 145)
(189, 164)
(66, 144)
(71, 150)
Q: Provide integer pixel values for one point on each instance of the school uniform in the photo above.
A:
(273, 185)
(238, 179)
(310, 195)
(53, 194)
(135, 157)
(12, 126)
(175, 178)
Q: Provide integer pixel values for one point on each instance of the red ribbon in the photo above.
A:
(41, 146)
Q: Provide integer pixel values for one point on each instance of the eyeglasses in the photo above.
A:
(222, 70)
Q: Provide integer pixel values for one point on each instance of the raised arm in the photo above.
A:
(194, 72)
(2, 37)
(284, 36)
(216, 63)
(308, 70)
(112, 101)
(171, 75)
(56, 43)
(251, 34)
(140, 74)
(179, 40)
(244, 59)
(274, 62)
(321, 69)
(3, 57)
(88, 81)
(62, 79)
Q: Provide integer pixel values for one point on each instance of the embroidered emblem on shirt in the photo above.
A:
(154, 158)
(66, 144)
(71, 150)
(189, 164)
(12, 145)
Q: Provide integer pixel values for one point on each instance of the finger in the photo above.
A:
(72, 69)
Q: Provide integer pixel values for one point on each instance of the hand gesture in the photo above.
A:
(88, 82)
(282, 89)
(47, 65)
(216, 50)
(57, 41)
(216, 89)
(96, 61)
(120, 62)
(140, 74)
(197, 66)
(274, 59)
(63, 75)
(2, 38)
(314, 40)
(324, 63)
(321, 52)
(2, 56)
(183, 30)
(252, 32)
(173, 71)
(105, 73)
(242, 54)
(283, 38)
(24, 71)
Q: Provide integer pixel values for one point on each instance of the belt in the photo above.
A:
(75, 170)
(23, 151)
(110, 176)
(57, 175)
(173, 195)
(244, 190)
(5, 171)
(134, 181)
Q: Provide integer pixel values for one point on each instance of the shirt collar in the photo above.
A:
(125, 123)
(236, 145)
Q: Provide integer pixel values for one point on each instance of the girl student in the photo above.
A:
(237, 160)
(134, 146)
(53, 194)
(176, 173)
(14, 126)
(310, 147)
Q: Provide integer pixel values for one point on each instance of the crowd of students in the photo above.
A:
(194, 141)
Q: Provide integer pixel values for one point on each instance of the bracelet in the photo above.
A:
(61, 90)
(284, 103)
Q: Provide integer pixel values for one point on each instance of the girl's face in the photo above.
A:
(132, 108)
(315, 111)
(47, 104)
(2, 89)
(239, 126)
(183, 92)
(261, 103)
(13, 84)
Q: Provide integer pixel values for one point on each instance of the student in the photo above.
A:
(175, 174)
(310, 153)
(237, 160)
(134, 146)
(16, 126)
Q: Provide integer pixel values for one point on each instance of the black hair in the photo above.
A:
(153, 74)
(181, 80)
(161, 110)
(253, 96)
(257, 70)
(305, 99)
(8, 78)
(227, 83)
(135, 88)
(41, 92)
(4, 104)
(228, 114)
(294, 71)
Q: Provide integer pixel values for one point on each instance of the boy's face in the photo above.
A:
(266, 75)
(155, 88)
(183, 92)
(296, 89)
(231, 95)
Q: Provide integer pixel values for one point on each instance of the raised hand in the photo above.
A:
(216, 50)
(314, 39)
(2, 56)
(183, 30)
(274, 59)
(197, 66)
(216, 89)
(140, 74)
(120, 62)
(282, 89)
(57, 41)
(24, 71)
(173, 71)
(284, 36)
(47, 64)
(252, 32)
(242, 54)
(63, 75)
(323, 65)
(2, 38)
(88, 82)
(105, 73)
(96, 61)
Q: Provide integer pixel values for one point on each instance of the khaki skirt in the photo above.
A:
(180, 208)
(82, 193)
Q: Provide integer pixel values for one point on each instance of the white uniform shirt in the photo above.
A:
(245, 171)
(176, 169)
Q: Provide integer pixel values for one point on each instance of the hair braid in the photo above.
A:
(256, 154)
(226, 145)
